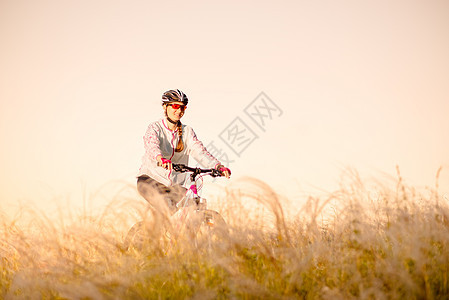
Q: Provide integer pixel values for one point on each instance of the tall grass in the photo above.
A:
(387, 241)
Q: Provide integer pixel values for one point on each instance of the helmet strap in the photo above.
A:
(168, 118)
(171, 121)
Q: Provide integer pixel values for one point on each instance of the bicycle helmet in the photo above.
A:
(174, 96)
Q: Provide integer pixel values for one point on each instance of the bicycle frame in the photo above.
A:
(193, 217)
(199, 203)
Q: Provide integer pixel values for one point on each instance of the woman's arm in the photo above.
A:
(151, 143)
(196, 149)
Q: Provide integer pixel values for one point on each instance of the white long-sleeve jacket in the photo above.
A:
(160, 140)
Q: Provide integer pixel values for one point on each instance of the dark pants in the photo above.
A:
(159, 195)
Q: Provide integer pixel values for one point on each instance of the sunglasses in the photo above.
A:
(177, 106)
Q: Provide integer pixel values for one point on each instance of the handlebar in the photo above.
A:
(181, 168)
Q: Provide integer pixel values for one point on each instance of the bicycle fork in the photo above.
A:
(185, 206)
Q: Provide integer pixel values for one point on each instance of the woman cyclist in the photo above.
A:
(168, 141)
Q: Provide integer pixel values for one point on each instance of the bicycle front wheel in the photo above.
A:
(212, 231)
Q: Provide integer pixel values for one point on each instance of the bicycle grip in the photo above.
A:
(164, 161)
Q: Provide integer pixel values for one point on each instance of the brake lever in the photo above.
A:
(216, 173)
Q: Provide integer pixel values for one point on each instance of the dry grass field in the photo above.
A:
(388, 241)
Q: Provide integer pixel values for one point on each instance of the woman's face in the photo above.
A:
(175, 110)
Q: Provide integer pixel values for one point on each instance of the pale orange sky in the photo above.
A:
(360, 83)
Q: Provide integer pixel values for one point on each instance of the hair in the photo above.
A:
(180, 145)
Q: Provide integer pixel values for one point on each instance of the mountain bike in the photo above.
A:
(192, 220)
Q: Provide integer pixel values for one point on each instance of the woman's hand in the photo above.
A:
(225, 171)
(165, 163)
